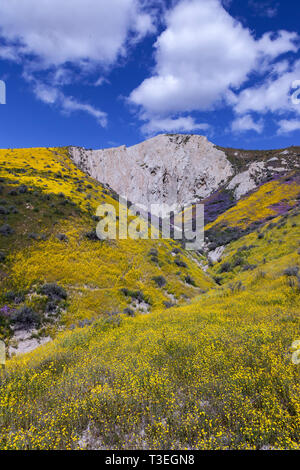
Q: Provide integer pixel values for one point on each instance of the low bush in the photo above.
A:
(128, 311)
(33, 236)
(6, 230)
(225, 268)
(53, 291)
(153, 252)
(249, 267)
(237, 261)
(168, 304)
(25, 317)
(4, 210)
(179, 262)
(137, 295)
(22, 189)
(16, 297)
(92, 235)
(62, 237)
(159, 280)
(13, 192)
(189, 280)
(13, 210)
(291, 271)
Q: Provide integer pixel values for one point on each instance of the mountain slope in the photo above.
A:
(47, 235)
(182, 169)
(214, 372)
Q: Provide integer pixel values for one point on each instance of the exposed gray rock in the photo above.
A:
(167, 169)
(244, 182)
(216, 254)
(177, 170)
(23, 342)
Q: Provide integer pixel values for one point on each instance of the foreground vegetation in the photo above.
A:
(216, 374)
(47, 235)
(214, 370)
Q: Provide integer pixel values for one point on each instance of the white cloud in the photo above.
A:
(202, 56)
(54, 36)
(274, 95)
(286, 126)
(70, 104)
(246, 123)
(100, 81)
(181, 124)
(56, 32)
(53, 96)
(267, 8)
(8, 53)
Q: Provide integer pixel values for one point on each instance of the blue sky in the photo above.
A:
(102, 73)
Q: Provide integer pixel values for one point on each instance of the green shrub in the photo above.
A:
(153, 252)
(237, 261)
(189, 280)
(16, 297)
(22, 189)
(4, 210)
(137, 295)
(25, 317)
(179, 262)
(92, 235)
(129, 312)
(159, 280)
(291, 271)
(62, 237)
(53, 291)
(168, 304)
(225, 268)
(6, 230)
(249, 267)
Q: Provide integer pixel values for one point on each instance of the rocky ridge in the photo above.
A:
(178, 170)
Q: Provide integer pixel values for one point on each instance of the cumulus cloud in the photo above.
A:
(54, 36)
(287, 126)
(181, 124)
(68, 104)
(75, 31)
(246, 123)
(273, 95)
(201, 56)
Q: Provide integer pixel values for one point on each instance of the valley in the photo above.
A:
(142, 344)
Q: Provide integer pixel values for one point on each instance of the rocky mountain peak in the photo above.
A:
(171, 169)
(179, 169)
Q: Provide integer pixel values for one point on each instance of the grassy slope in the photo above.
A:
(260, 204)
(216, 373)
(62, 200)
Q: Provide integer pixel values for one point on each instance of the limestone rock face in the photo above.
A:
(177, 170)
(167, 169)
(244, 182)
